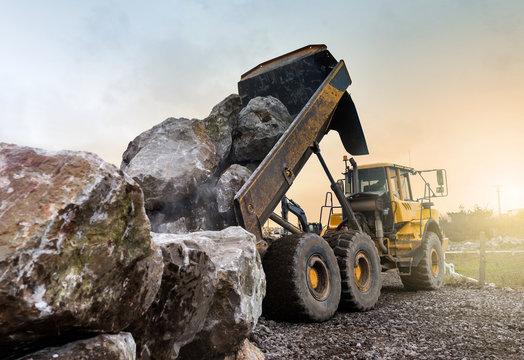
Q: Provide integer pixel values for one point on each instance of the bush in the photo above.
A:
(467, 224)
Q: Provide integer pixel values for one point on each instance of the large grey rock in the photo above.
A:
(196, 212)
(182, 303)
(220, 123)
(171, 160)
(240, 287)
(228, 185)
(210, 299)
(260, 124)
(210, 207)
(75, 247)
(108, 347)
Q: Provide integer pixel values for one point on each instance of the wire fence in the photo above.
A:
(502, 267)
(487, 251)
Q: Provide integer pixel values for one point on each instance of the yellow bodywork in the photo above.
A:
(409, 215)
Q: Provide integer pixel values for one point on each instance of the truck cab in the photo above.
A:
(393, 204)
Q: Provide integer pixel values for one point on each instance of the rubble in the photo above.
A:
(227, 186)
(247, 351)
(76, 253)
(455, 322)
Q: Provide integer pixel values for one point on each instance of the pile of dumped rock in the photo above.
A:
(190, 170)
(81, 273)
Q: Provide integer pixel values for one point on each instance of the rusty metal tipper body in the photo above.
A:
(312, 85)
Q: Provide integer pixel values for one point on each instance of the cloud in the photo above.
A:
(430, 79)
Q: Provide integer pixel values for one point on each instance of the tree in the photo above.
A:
(467, 224)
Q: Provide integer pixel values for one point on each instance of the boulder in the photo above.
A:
(210, 298)
(260, 124)
(108, 347)
(210, 207)
(228, 185)
(181, 304)
(196, 212)
(76, 254)
(171, 160)
(240, 287)
(220, 123)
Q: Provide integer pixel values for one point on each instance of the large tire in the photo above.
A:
(302, 279)
(429, 273)
(360, 269)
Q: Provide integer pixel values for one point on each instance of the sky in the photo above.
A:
(438, 84)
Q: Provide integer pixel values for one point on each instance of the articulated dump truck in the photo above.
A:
(310, 276)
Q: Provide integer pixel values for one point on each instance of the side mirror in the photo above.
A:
(440, 178)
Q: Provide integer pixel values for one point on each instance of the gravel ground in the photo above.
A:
(459, 321)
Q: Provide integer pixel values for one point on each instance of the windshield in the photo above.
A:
(373, 179)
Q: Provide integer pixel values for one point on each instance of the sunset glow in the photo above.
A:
(436, 84)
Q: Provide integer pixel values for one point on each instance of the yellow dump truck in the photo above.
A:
(308, 275)
(406, 229)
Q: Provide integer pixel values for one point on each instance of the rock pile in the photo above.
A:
(81, 273)
(78, 260)
(190, 170)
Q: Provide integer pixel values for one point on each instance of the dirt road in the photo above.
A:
(455, 322)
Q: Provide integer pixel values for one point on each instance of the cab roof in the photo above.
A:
(376, 165)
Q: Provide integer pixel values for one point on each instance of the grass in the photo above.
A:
(502, 269)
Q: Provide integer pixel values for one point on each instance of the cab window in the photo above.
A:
(393, 181)
(372, 179)
(405, 185)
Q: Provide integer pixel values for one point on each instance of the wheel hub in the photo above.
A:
(362, 271)
(317, 274)
(435, 262)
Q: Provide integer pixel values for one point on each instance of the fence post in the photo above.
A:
(482, 259)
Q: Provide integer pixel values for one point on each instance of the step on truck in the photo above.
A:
(310, 276)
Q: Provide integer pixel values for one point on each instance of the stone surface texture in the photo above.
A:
(75, 248)
(210, 299)
(182, 303)
(247, 351)
(210, 207)
(188, 169)
(106, 346)
(260, 124)
(220, 124)
(171, 160)
(228, 185)
(196, 212)
(239, 291)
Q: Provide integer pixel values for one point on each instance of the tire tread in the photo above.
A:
(421, 277)
(345, 244)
